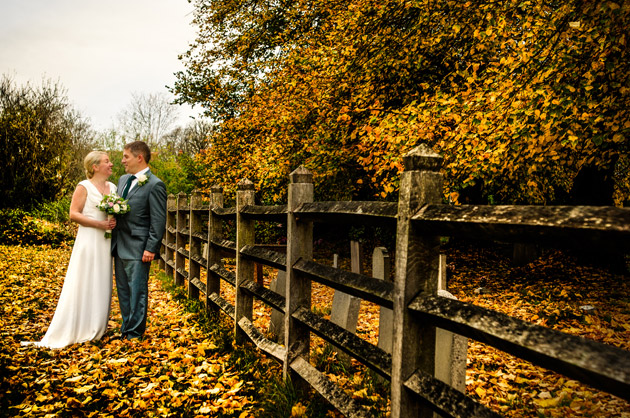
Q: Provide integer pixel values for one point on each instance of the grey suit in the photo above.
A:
(139, 230)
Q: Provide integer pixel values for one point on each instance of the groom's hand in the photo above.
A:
(147, 257)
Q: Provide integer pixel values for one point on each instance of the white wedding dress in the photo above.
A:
(83, 308)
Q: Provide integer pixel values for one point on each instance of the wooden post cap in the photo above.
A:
(422, 158)
(216, 189)
(245, 184)
(301, 175)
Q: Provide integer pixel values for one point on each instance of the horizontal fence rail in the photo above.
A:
(194, 241)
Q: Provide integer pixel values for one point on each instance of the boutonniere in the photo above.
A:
(142, 179)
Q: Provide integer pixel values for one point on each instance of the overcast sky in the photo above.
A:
(100, 51)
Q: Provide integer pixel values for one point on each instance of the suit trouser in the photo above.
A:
(132, 285)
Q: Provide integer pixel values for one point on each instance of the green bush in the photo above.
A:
(18, 227)
(57, 211)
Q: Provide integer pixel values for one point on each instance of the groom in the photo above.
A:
(137, 237)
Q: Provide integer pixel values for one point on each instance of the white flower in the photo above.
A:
(142, 178)
(116, 208)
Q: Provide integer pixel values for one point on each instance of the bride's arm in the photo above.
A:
(76, 208)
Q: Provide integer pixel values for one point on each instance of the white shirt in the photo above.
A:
(135, 181)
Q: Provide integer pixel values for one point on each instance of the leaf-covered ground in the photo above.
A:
(549, 291)
(556, 291)
(178, 370)
(182, 370)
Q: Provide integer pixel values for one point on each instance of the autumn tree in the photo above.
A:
(43, 139)
(528, 101)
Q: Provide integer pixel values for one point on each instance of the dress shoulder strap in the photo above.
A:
(112, 187)
(85, 183)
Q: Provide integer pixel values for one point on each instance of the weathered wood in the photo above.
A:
(271, 348)
(201, 286)
(348, 342)
(603, 227)
(600, 365)
(266, 213)
(345, 306)
(270, 297)
(202, 262)
(168, 260)
(181, 238)
(421, 219)
(226, 247)
(171, 264)
(298, 289)
(267, 257)
(222, 273)
(451, 352)
(223, 304)
(276, 323)
(200, 236)
(224, 213)
(245, 235)
(349, 212)
(215, 235)
(329, 390)
(417, 264)
(381, 267)
(359, 285)
(444, 399)
(194, 253)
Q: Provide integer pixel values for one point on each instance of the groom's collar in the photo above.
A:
(143, 171)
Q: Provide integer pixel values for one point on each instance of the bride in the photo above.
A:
(83, 308)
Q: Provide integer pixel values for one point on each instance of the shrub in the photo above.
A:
(18, 227)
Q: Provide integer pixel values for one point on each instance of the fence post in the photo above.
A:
(417, 264)
(345, 307)
(298, 289)
(381, 270)
(194, 251)
(215, 233)
(181, 238)
(171, 225)
(245, 235)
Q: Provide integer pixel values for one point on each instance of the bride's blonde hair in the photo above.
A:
(90, 160)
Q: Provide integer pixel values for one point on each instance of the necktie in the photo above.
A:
(127, 186)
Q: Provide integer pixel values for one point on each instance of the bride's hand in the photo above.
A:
(111, 224)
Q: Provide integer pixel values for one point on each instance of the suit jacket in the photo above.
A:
(143, 226)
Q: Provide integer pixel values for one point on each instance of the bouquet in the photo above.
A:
(112, 204)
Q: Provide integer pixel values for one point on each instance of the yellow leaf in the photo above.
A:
(298, 410)
(546, 403)
(84, 389)
(480, 391)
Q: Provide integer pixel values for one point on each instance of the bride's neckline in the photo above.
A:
(104, 190)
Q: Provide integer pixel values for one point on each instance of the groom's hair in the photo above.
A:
(139, 147)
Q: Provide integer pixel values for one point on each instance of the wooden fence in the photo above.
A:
(420, 219)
